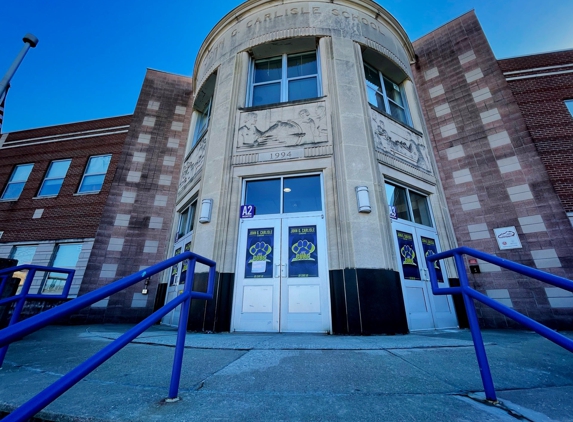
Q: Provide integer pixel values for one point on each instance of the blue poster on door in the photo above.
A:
(430, 248)
(302, 254)
(408, 258)
(185, 265)
(259, 259)
(174, 269)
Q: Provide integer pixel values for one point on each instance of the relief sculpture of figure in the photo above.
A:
(380, 134)
(303, 131)
(249, 134)
(281, 132)
(320, 120)
(407, 149)
(423, 158)
(308, 127)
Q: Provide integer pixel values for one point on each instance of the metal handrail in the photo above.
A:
(30, 325)
(25, 294)
(32, 269)
(468, 294)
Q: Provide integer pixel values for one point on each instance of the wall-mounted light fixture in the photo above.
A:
(206, 207)
(145, 290)
(363, 199)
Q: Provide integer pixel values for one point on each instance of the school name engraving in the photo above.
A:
(282, 13)
(315, 10)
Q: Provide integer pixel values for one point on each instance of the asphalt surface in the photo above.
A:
(430, 376)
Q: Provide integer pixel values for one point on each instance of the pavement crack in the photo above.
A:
(422, 369)
(497, 405)
(201, 385)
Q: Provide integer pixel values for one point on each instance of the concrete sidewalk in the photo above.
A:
(429, 376)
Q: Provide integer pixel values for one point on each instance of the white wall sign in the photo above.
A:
(507, 238)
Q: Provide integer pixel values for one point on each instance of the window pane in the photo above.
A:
(13, 190)
(21, 173)
(375, 98)
(268, 70)
(301, 65)
(397, 197)
(265, 195)
(183, 218)
(372, 76)
(98, 164)
(58, 169)
(54, 284)
(17, 181)
(191, 216)
(393, 92)
(301, 194)
(24, 254)
(267, 94)
(66, 257)
(398, 113)
(92, 183)
(51, 187)
(373, 88)
(569, 104)
(202, 123)
(301, 89)
(420, 209)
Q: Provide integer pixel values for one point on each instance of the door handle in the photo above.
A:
(283, 270)
(277, 270)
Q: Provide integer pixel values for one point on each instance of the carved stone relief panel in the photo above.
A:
(395, 140)
(193, 165)
(290, 126)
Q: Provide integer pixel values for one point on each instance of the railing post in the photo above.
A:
(479, 346)
(181, 333)
(18, 309)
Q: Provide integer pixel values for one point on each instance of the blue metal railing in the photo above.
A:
(30, 325)
(469, 294)
(25, 294)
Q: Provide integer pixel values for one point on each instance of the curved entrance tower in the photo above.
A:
(305, 114)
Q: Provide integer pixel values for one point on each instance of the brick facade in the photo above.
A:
(136, 223)
(492, 173)
(540, 83)
(127, 225)
(69, 214)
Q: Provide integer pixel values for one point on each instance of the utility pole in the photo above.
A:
(29, 41)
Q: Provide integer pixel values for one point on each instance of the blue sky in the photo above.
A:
(92, 55)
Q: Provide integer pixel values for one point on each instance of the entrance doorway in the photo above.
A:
(425, 310)
(282, 282)
(414, 239)
(179, 272)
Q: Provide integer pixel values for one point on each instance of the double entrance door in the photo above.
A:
(424, 310)
(282, 279)
(177, 279)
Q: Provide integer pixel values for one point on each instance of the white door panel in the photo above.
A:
(282, 276)
(424, 310)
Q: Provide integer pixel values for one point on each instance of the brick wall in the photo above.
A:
(491, 171)
(540, 83)
(136, 223)
(67, 215)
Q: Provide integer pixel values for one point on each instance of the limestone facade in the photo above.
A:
(336, 134)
